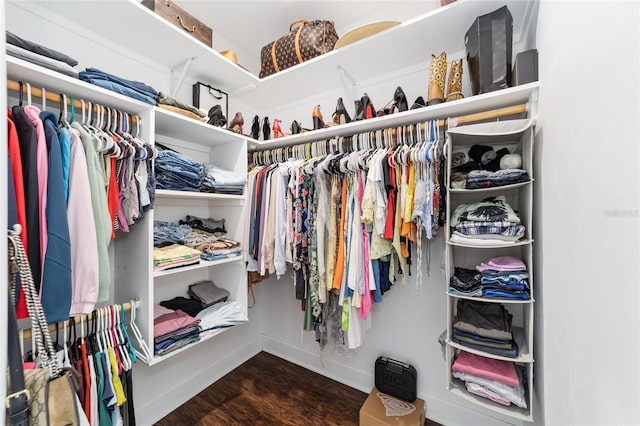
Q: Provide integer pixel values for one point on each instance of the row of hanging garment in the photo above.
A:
(100, 350)
(346, 214)
(72, 184)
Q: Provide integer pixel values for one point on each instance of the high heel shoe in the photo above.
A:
(295, 127)
(318, 122)
(418, 103)
(341, 116)
(266, 129)
(277, 130)
(400, 100)
(237, 123)
(369, 110)
(255, 128)
(359, 110)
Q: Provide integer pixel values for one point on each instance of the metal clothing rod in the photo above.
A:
(26, 332)
(14, 86)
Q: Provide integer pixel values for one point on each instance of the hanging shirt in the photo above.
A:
(65, 153)
(100, 210)
(42, 162)
(55, 294)
(15, 160)
(82, 233)
(28, 147)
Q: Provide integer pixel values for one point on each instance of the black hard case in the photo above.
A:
(396, 378)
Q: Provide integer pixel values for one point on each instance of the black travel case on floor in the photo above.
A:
(396, 378)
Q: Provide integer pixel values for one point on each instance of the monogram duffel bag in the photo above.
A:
(306, 40)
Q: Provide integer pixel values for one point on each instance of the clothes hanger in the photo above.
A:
(123, 330)
(44, 98)
(28, 93)
(142, 351)
(120, 339)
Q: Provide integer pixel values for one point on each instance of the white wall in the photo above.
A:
(587, 209)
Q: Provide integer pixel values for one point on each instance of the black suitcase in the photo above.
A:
(396, 378)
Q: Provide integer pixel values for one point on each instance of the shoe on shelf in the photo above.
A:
(359, 110)
(255, 128)
(400, 100)
(237, 123)
(454, 84)
(341, 116)
(216, 117)
(418, 103)
(266, 129)
(318, 121)
(277, 130)
(389, 108)
(295, 128)
(369, 110)
(437, 75)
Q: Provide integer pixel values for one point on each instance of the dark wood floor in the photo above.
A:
(267, 390)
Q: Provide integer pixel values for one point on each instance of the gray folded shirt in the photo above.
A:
(208, 293)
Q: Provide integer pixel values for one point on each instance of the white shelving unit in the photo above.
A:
(156, 39)
(206, 144)
(517, 136)
(134, 277)
(441, 29)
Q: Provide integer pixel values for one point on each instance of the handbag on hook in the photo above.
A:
(47, 394)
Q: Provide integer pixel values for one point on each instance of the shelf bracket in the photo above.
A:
(348, 83)
(186, 64)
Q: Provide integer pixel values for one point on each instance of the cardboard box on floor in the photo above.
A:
(381, 409)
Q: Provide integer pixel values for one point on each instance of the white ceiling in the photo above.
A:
(245, 26)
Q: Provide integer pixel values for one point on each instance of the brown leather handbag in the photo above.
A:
(306, 40)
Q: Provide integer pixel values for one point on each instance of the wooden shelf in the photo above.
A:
(203, 264)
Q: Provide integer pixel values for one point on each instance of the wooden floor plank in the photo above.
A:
(267, 390)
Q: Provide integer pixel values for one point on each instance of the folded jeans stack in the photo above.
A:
(485, 327)
(219, 180)
(40, 55)
(131, 88)
(500, 381)
(173, 330)
(488, 179)
(505, 277)
(178, 172)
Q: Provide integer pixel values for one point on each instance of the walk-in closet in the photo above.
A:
(334, 190)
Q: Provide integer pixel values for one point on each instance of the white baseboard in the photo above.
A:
(177, 395)
(438, 410)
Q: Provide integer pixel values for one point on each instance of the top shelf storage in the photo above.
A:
(403, 46)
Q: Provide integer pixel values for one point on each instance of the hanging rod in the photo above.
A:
(344, 130)
(14, 86)
(26, 332)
